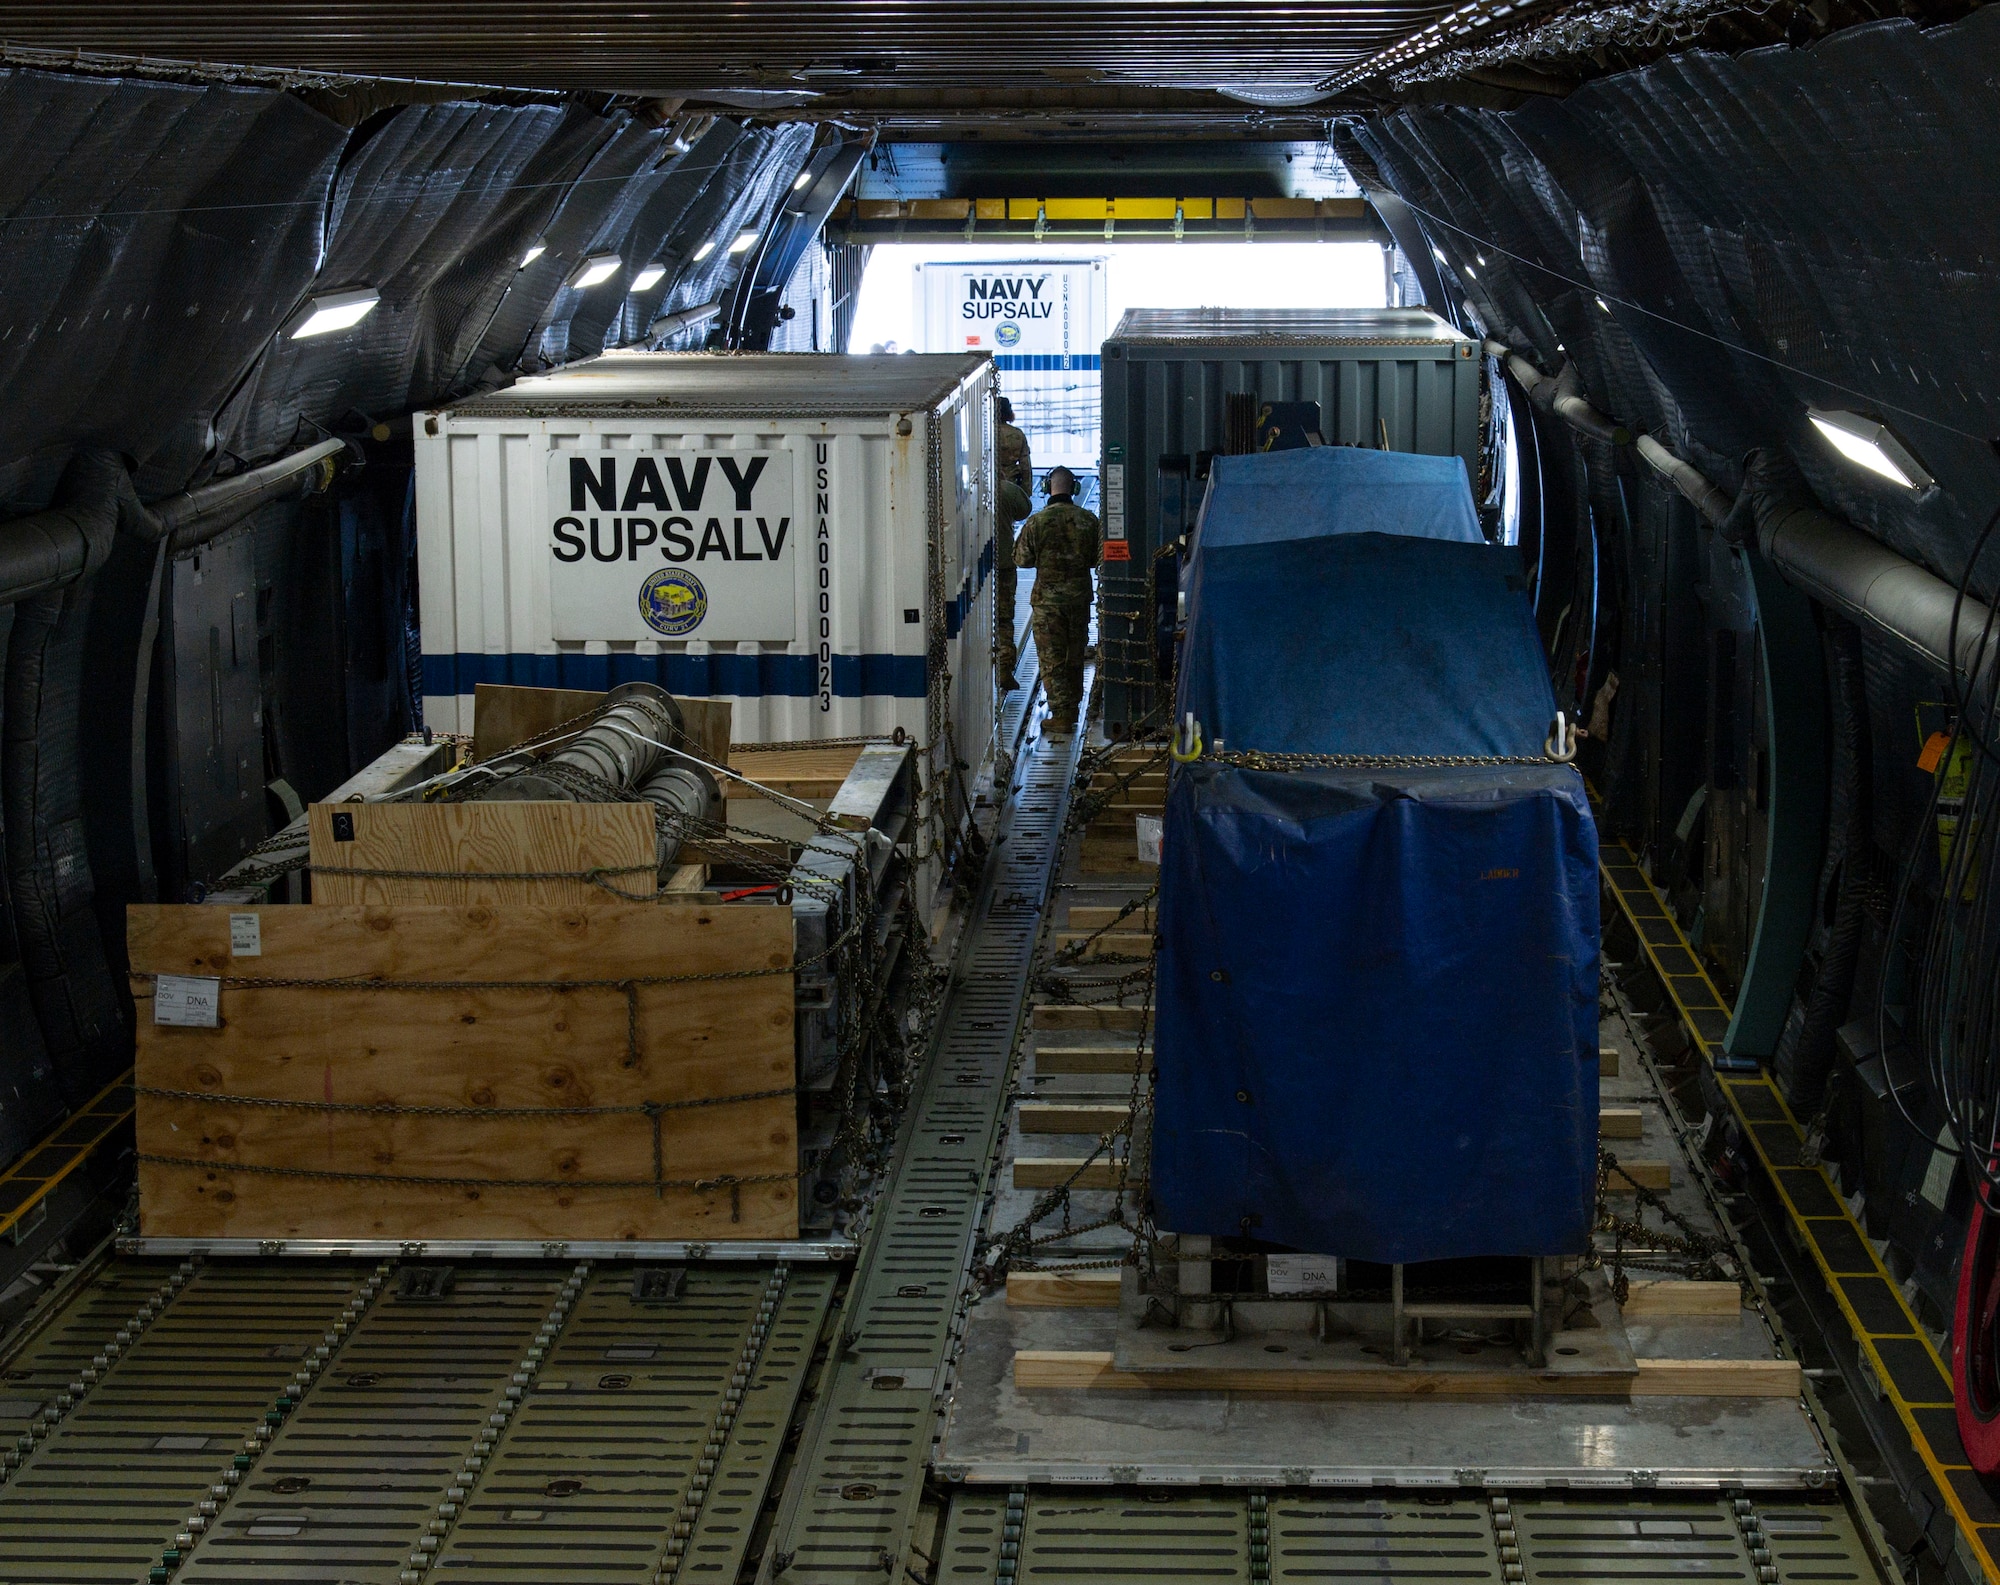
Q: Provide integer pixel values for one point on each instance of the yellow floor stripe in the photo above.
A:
(1914, 1379)
(30, 1180)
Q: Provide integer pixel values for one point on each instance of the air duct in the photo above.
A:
(1867, 582)
(1562, 395)
(95, 498)
(1834, 562)
(683, 319)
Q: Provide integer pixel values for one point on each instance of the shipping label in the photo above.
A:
(190, 1001)
(672, 544)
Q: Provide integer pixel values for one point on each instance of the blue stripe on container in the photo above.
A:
(698, 676)
(1047, 360)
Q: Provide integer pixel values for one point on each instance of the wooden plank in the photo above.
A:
(1098, 855)
(1668, 1299)
(1113, 943)
(1087, 916)
(1043, 1117)
(1072, 1017)
(503, 715)
(1062, 1290)
(1654, 1175)
(478, 841)
(1621, 1122)
(1607, 1062)
(1052, 1172)
(686, 878)
(1089, 1059)
(1718, 1378)
(1053, 1369)
(497, 1048)
(813, 773)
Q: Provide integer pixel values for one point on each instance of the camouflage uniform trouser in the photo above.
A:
(1062, 633)
(1006, 575)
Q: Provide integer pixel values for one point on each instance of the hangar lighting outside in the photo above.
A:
(533, 254)
(804, 181)
(331, 311)
(598, 267)
(648, 276)
(1869, 444)
(745, 241)
(704, 251)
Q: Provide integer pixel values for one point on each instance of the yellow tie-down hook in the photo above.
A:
(1188, 733)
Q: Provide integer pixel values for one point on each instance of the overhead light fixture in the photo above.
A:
(1481, 258)
(1438, 254)
(704, 251)
(598, 267)
(745, 241)
(1471, 273)
(804, 181)
(332, 311)
(533, 254)
(1601, 303)
(648, 276)
(1869, 444)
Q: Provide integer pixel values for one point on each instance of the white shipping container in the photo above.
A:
(806, 536)
(1043, 320)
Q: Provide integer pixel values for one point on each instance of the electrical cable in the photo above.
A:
(1953, 1012)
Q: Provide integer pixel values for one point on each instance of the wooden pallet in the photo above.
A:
(1051, 1369)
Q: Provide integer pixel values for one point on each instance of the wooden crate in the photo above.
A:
(475, 844)
(722, 1171)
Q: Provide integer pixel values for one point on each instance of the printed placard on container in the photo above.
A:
(1302, 1273)
(187, 1001)
(246, 936)
(672, 545)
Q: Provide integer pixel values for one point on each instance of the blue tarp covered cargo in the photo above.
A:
(1377, 999)
(1316, 490)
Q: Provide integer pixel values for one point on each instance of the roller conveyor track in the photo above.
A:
(506, 1422)
(1256, 1538)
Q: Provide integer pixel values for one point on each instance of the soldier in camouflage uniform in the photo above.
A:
(1063, 543)
(1010, 506)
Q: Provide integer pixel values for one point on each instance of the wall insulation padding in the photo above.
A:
(806, 537)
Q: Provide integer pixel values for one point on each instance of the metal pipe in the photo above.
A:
(1561, 394)
(618, 748)
(194, 517)
(1834, 562)
(1713, 503)
(1871, 585)
(684, 790)
(683, 319)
